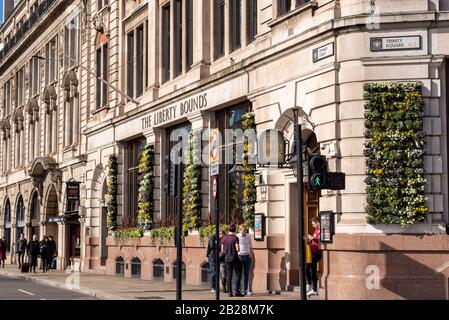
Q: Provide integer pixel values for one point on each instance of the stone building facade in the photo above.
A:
(179, 64)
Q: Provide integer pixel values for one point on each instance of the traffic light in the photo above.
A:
(317, 172)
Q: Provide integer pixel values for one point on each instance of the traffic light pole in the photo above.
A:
(300, 188)
(179, 232)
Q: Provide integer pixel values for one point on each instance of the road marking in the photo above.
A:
(29, 293)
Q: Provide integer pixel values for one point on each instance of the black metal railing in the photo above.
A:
(27, 25)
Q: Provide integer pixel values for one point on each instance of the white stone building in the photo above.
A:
(265, 56)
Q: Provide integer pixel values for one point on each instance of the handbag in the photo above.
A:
(308, 254)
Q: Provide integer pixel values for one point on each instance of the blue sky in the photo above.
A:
(1, 11)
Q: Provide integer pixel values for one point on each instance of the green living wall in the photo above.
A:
(394, 150)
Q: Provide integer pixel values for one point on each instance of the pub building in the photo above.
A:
(171, 67)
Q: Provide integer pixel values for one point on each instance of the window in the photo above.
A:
(175, 270)
(20, 215)
(134, 153)
(219, 27)
(102, 75)
(136, 267)
(7, 98)
(119, 266)
(235, 23)
(178, 38)
(284, 6)
(229, 200)
(189, 33)
(35, 215)
(171, 139)
(51, 61)
(34, 79)
(165, 43)
(71, 43)
(7, 226)
(20, 88)
(251, 20)
(18, 137)
(102, 4)
(136, 61)
(158, 270)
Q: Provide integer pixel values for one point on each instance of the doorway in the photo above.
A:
(311, 209)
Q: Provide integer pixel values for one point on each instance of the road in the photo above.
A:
(19, 289)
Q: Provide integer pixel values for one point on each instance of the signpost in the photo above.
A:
(395, 43)
(214, 162)
(323, 52)
(259, 227)
(327, 223)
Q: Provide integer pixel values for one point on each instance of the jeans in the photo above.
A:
(44, 263)
(231, 267)
(20, 258)
(33, 263)
(311, 271)
(246, 264)
(213, 275)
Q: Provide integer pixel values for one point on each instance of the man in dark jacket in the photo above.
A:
(21, 249)
(51, 251)
(33, 253)
(44, 253)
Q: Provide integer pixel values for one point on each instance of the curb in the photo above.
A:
(55, 284)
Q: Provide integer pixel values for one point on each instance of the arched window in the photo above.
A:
(51, 108)
(7, 226)
(19, 137)
(34, 215)
(136, 267)
(205, 273)
(158, 269)
(33, 130)
(6, 145)
(71, 110)
(175, 270)
(119, 266)
(20, 215)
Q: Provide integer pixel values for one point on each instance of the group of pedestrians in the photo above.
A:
(235, 259)
(46, 250)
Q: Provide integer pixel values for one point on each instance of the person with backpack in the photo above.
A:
(21, 249)
(230, 246)
(33, 253)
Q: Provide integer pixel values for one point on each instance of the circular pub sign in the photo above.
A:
(214, 187)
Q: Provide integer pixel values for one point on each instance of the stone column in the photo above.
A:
(61, 244)
(227, 35)
(244, 39)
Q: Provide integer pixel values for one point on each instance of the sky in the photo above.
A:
(1, 11)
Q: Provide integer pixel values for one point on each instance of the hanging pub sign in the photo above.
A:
(73, 191)
(259, 227)
(327, 226)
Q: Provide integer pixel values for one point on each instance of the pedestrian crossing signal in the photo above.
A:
(317, 172)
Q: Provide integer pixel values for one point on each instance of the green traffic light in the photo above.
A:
(317, 181)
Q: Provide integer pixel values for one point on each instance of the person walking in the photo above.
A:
(52, 253)
(230, 246)
(221, 257)
(317, 255)
(211, 256)
(33, 253)
(245, 256)
(21, 249)
(44, 253)
(2, 252)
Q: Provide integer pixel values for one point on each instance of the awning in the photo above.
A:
(65, 217)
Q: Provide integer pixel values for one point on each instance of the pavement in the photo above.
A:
(117, 288)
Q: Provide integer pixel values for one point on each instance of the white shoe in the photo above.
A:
(249, 293)
(213, 290)
(312, 293)
(308, 288)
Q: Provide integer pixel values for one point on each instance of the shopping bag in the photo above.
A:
(308, 254)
